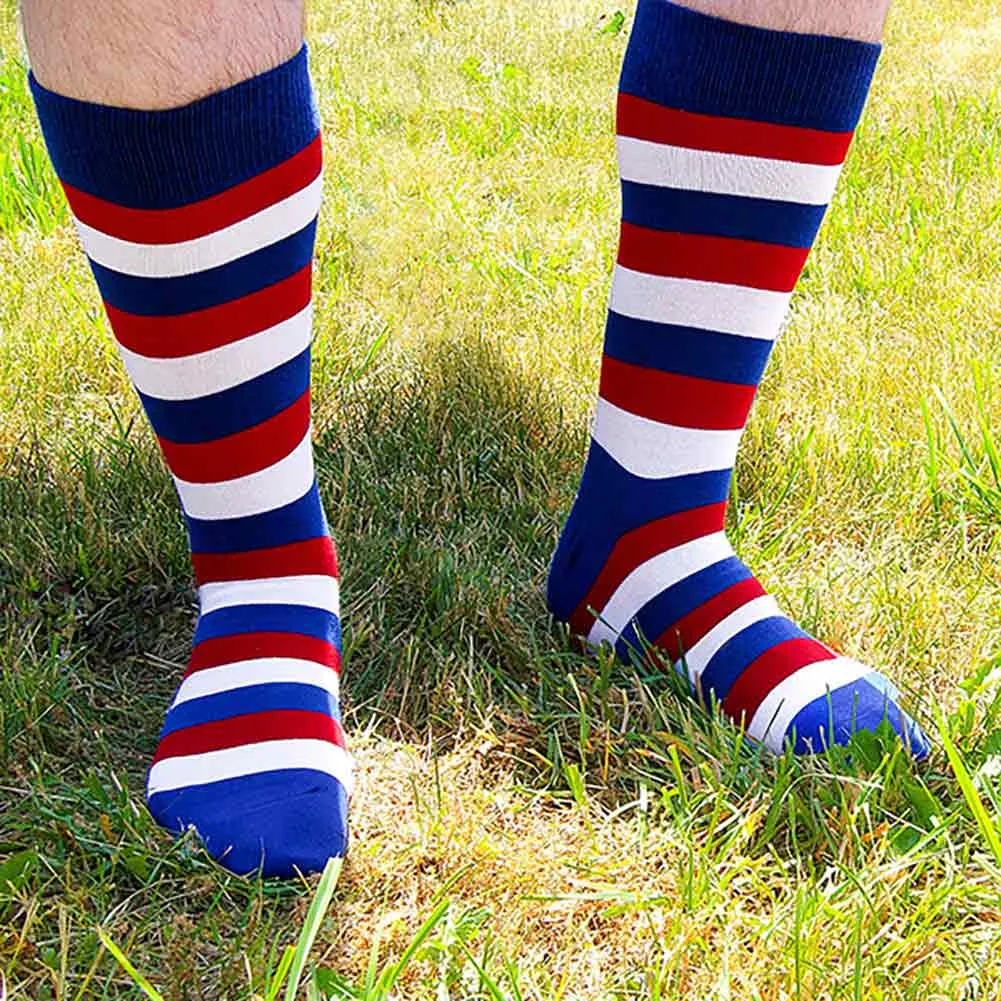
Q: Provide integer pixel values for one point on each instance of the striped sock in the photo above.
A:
(730, 140)
(199, 225)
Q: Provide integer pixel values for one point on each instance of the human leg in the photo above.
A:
(195, 185)
(730, 140)
(156, 54)
(859, 19)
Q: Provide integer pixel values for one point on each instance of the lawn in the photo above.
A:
(528, 823)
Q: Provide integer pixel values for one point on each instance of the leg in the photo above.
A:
(730, 139)
(859, 19)
(156, 54)
(187, 142)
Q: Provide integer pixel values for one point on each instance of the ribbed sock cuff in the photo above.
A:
(164, 159)
(684, 59)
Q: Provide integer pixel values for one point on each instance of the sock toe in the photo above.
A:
(276, 822)
(863, 705)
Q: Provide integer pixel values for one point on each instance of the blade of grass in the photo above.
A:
(123, 961)
(433, 920)
(311, 926)
(280, 973)
(991, 834)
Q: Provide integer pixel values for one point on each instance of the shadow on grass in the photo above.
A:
(446, 483)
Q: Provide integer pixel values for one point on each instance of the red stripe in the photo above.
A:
(250, 646)
(311, 556)
(251, 728)
(766, 671)
(193, 333)
(242, 453)
(206, 216)
(676, 640)
(719, 259)
(640, 545)
(643, 119)
(681, 400)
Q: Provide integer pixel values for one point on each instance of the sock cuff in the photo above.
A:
(168, 158)
(695, 62)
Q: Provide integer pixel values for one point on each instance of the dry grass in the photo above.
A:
(588, 833)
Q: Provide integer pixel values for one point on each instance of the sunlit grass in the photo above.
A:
(528, 823)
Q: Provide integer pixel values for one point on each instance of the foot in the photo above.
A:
(725, 179)
(252, 754)
(645, 563)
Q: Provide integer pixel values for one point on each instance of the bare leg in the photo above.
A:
(861, 19)
(152, 54)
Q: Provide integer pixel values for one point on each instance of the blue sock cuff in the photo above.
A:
(165, 159)
(684, 59)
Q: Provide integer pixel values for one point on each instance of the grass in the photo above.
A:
(529, 824)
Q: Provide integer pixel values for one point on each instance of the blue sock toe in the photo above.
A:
(276, 822)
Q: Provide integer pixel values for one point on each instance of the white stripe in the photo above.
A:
(654, 451)
(737, 621)
(262, 671)
(275, 486)
(193, 376)
(645, 162)
(687, 302)
(781, 705)
(251, 759)
(311, 590)
(170, 260)
(651, 578)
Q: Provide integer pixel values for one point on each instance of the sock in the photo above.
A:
(199, 225)
(730, 140)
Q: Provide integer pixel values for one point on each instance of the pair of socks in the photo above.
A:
(199, 225)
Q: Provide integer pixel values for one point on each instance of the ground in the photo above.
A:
(532, 824)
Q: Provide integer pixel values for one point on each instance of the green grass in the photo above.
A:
(529, 824)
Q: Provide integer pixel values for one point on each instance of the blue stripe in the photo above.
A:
(165, 159)
(301, 519)
(207, 418)
(710, 214)
(613, 503)
(250, 699)
(706, 354)
(750, 643)
(299, 619)
(204, 289)
(638, 500)
(853, 707)
(286, 821)
(684, 59)
(677, 601)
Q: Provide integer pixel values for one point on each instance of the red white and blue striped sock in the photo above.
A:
(199, 224)
(730, 140)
